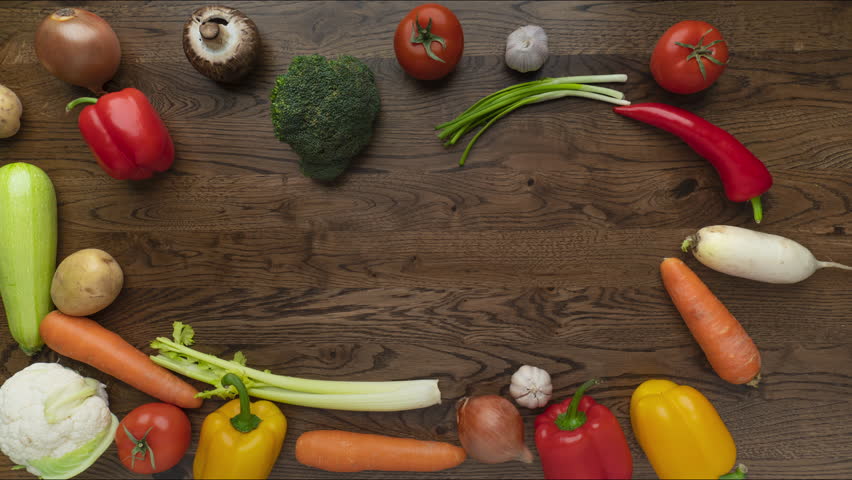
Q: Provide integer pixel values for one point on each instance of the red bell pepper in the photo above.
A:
(743, 175)
(127, 136)
(580, 438)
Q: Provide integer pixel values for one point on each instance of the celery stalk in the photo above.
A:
(418, 394)
(177, 356)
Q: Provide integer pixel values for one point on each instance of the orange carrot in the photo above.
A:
(730, 350)
(339, 451)
(86, 341)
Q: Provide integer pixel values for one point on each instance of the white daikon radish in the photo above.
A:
(754, 255)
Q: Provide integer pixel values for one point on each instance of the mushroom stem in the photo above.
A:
(210, 30)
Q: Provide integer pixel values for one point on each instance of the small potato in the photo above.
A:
(10, 112)
(87, 281)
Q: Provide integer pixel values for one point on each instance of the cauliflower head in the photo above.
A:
(53, 421)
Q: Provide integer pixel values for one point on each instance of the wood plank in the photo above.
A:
(780, 419)
(148, 31)
(543, 250)
(593, 316)
(564, 258)
(808, 134)
(580, 196)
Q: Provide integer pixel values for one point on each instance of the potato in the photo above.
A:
(87, 281)
(10, 112)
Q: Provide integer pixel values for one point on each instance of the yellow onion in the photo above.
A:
(491, 430)
(78, 47)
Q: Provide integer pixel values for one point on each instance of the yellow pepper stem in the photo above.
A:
(737, 474)
(245, 421)
(573, 418)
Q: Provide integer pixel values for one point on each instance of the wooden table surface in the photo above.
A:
(543, 250)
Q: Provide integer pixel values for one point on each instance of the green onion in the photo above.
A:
(491, 108)
(177, 356)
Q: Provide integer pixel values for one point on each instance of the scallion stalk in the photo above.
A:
(492, 107)
(613, 78)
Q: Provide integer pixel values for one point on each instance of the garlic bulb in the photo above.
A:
(526, 49)
(531, 387)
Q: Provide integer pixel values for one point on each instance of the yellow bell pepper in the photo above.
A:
(681, 433)
(240, 439)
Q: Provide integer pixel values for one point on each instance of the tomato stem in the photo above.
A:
(426, 37)
(141, 448)
(700, 52)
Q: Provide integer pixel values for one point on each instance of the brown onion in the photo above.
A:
(491, 430)
(78, 47)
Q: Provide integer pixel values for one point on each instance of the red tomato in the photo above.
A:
(689, 57)
(160, 429)
(429, 29)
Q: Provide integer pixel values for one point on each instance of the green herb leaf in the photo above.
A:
(183, 333)
(240, 358)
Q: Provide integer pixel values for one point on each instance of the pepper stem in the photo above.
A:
(245, 421)
(78, 101)
(573, 418)
(758, 209)
(739, 473)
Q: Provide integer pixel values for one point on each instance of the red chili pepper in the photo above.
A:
(743, 175)
(579, 438)
(127, 136)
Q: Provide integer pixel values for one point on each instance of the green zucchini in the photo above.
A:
(27, 250)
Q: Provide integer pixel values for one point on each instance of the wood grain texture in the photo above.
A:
(543, 250)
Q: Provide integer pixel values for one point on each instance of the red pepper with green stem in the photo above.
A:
(127, 136)
(580, 438)
(743, 175)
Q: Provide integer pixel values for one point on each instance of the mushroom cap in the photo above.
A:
(231, 48)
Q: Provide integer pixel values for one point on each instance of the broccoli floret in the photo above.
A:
(325, 109)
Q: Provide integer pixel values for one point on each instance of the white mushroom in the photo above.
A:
(221, 43)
